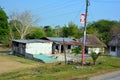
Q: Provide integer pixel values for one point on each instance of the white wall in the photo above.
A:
(97, 50)
(37, 48)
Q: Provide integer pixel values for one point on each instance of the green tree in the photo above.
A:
(65, 32)
(36, 33)
(4, 29)
(102, 29)
(73, 29)
(115, 29)
(77, 50)
(49, 31)
(94, 57)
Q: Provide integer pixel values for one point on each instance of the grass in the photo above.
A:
(55, 71)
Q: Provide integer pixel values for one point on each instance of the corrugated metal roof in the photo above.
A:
(60, 39)
(30, 41)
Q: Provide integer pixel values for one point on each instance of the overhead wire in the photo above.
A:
(66, 5)
(69, 12)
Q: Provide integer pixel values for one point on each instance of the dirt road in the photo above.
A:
(109, 76)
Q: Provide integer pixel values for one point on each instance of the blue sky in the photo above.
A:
(61, 12)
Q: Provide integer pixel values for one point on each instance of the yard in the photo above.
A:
(17, 68)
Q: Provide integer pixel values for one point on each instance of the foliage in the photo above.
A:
(14, 34)
(49, 31)
(36, 33)
(94, 56)
(77, 50)
(4, 29)
(73, 29)
(65, 32)
(104, 29)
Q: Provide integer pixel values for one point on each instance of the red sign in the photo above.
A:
(82, 18)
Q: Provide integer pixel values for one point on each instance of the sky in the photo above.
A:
(61, 12)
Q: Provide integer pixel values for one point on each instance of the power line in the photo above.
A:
(106, 1)
(57, 7)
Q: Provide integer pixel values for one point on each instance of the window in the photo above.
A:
(113, 48)
(69, 46)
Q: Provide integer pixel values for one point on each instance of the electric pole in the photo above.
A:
(84, 39)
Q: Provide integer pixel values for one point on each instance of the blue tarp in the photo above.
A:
(44, 58)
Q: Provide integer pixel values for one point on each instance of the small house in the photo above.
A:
(61, 44)
(93, 44)
(27, 48)
(46, 45)
(114, 46)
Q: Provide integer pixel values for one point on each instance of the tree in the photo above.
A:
(73, 29)
(36, 33)
(13, 31)
(77, 50)
(65, 32)
(26, 21)
(4, 29)
(94, 57)
(115, 29)
(49, 31)
(102, 29)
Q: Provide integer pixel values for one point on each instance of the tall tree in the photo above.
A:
(73, 29)
(36, 33)
(4, 29)
(65, 32)
(26, 19)
(13, 31)
(102, 28)
(50, 32)
(115, 29)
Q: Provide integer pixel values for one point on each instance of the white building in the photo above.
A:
(28, 48)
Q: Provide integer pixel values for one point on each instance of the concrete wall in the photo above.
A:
(39, 48)
(97, 50)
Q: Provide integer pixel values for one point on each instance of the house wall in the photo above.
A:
(39, 48)
(97, 50)
(19, 49)
(113, 52)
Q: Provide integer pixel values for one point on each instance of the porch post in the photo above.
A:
(59, 48)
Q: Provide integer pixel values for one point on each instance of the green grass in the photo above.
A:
(54, 71)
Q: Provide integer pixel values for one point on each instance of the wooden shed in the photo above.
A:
(114, 46)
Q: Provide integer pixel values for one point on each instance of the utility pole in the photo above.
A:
(64, 50)
(84, 39)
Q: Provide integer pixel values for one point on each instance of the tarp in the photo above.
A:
(44, 58)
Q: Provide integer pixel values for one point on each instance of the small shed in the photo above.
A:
(114, 46)
(28, 48)
(93, 44)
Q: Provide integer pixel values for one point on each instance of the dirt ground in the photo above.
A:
(8, 65)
